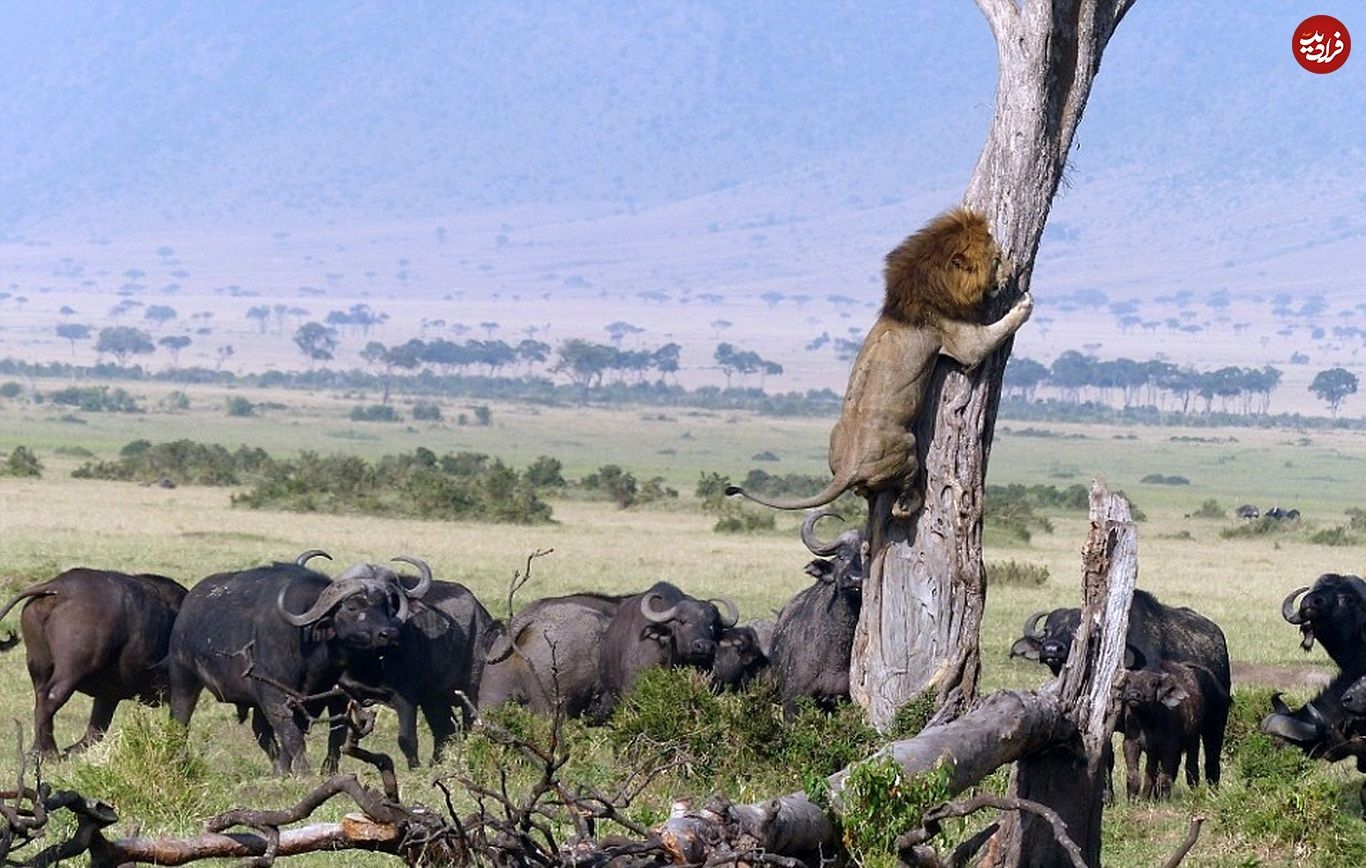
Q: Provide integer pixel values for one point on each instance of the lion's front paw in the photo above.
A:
(907, 505)
(1025, 306)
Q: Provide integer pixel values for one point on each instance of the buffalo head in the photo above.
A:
(1051, 643)
(690, 626)
(839, 562)
(740, 654)
(1148, 687)
(1334, 612)
(364, 607)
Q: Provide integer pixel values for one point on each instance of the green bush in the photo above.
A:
(483, 416)
(426, 411)
(375, 413)
(1356, 519)
(1209, 509)
(183, 461)
(74, 451)
(882, 802)
(1333, 536)
(175, 402)
(1159, 479)
(22, 462)
(1014, 572)
(1264, 526)
(738, 518)
(10, 389)
(239, 406)
(95, 399)
(546, 472)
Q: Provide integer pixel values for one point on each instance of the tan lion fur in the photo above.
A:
(936, 281)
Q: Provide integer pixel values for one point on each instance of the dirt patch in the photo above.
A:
(1279, 677)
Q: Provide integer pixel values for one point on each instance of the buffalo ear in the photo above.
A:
(1029, 648)
(1173, 694)
(819, 569)
(657, 632)
(323, 630)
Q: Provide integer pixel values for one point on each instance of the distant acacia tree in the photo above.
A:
(159, 314)
(67, 310)
(175, 343)
(532, 352)
(124, 341)
(73, 332)
(260, 314)
(489, 327)
(223, 353)
(1334, 385)
(584, 362)
(316, 341)
(618, 330)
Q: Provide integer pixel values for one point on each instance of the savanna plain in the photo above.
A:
(1306, 813)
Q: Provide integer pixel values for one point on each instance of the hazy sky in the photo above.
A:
(204, 111)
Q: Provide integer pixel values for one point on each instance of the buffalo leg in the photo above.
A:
(1193, 762)
(185, 690)
(265, 734)
(336, 735)
(101, 716)
(48, 698)
(1170, 762)
(279, 717)
(441, 718)
(1213, 738)
(1149, 775)
(407, 730)
(1131, 773)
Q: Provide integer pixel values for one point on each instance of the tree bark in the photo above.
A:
(924, 596)
(1056, 736)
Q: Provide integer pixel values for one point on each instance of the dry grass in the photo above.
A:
(57, 522)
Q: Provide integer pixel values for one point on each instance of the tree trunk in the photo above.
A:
(923, 599)
(1056, 735)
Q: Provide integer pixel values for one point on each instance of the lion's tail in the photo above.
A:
(834, 489)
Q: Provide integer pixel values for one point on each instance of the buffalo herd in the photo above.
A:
(286, 645)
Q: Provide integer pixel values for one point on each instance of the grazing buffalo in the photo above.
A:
(814, 637)
(1158, 633)
(1163, 715)
(662, 627)
(96, 632)
(1332, 612)
(440, 650)
(1247, 512)
(264, 638)
(548, 657)
(741, 654)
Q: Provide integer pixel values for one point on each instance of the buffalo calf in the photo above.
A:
(1164, 712)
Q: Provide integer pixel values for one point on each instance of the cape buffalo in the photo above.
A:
(265, 637)
(1158, 633)
(1333, 612)
(102, 633)
(741, 654)
(1163, 711)
(814, 637)
(548, 657)
(661, 627)
(440, 650)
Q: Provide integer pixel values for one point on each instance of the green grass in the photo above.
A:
(56, 522)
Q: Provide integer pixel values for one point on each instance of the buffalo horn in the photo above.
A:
(423, 583)
(657, 617)
(1031, 625)
(732, 615)
(1289, 608)
(303, 559)
(1278, 705)
(810, 539)
(330, 597)
(402, 606)
(1291, 728)
(1307, 637)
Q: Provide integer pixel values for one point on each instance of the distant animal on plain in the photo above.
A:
(936, 281)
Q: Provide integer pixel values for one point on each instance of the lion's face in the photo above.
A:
(973, 266)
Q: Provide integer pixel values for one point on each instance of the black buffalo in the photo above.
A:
(265, 637)
(1158, 634)
(1163, 714)
(742, 654)
(814, 636)
(440, 650)
(548, 658)
(97, 632)
(661, 627)
(1333, 613)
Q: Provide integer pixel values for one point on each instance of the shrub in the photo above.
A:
(545, 472)
(763, 456)
(882, 802)
(10, 389)
(239, 406)
(375, 413)
(182, 461)
(1264, 526)
(482, 415)
(711, 488)
(95, 399)
(1159, 479)
(175, 402)
(22, 462)
(619, 485)
(1014, 572)
(1209, 509)
(426, 411)
(1356, 519)
(736, 518)
(1333, 536)
(74, 451)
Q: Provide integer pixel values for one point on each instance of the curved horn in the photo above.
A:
(810, 539)
(402, 614)
(1289, 608)
(657, 617)
(1031, 625)
(423, 583)
(303, 559)
(732, 613)
(330, 597)
(1278, 705)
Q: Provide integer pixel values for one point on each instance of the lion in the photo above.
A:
(936, 282)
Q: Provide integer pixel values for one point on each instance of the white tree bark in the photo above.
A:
(923, 599)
